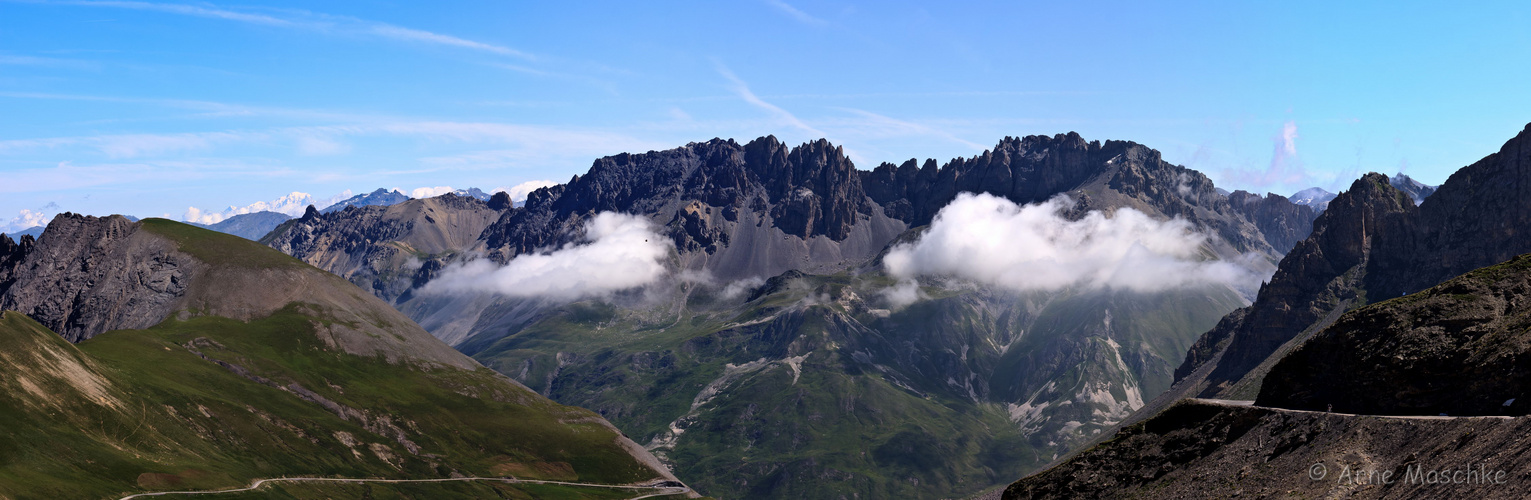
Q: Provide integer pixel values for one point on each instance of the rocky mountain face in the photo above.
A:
(387, 250)
(1315, 197)
(1371, 244)
(1320, 276)
(1458, 348)
(90, 275)
(1416, 190)
(206, 360)
(737, 211)
(1099, 175)
(250, 226)
(1282, 222)
(380, 197)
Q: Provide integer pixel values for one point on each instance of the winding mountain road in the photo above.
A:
(658, 490)
(1251, 404)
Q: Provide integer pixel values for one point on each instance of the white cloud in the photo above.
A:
(799, 15)
(738, 288)
(293, 204)
(429, 192)
(620, 252)
(313, 22)
(28, 219)
(906, 292)
(1285, 170)
(992, 240)
(519, 192)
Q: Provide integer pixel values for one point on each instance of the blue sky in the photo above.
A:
(150, 108)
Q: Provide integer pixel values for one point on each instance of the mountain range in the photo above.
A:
(769, 321)
(770, 360)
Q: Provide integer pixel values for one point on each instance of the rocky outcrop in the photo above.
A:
(1416, 190)
(89, 275)
(387, 250)
(380, 197)
(1320, 275)
(1460, 348)
(93, 274)
(1373, 244)
(1282, 222)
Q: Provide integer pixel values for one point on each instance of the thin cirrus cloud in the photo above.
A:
(884, 126)
(742, 90)
(322, 23)
(795, 13)
(993, 240)
(120, 146)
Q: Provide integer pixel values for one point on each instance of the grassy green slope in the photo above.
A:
(173, 420)
(207, 402)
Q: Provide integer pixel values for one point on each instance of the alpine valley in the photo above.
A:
(777, 356)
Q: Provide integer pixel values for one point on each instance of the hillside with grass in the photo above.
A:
(265, 367)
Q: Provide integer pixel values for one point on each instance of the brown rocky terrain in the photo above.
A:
(1210, 449)
(1460, 348)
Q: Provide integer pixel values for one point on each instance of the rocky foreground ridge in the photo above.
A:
(1453, 349)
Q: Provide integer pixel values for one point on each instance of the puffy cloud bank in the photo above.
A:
(992, 240)
(293, 204)
(519, 192)
(27, 219)
(620, 252)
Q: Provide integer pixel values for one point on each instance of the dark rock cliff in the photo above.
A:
(1316, 277)
(1282, 222)
(88, 275)
(805, 191)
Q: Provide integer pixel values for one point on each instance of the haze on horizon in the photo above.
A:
(155, 108)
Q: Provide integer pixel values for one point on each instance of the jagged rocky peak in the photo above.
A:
(1418, 191)
(1315, 197)
(806, 191)
(1321, 273)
